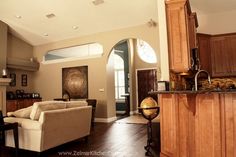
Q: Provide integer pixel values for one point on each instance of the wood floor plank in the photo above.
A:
(106, 140)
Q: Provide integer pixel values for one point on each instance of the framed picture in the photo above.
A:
(13, 79)
(162, 86)
(75, 82)
(23, 80)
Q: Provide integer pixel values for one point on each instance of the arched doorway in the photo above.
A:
(129, 57)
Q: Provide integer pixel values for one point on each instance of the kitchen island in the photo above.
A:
(197, 123)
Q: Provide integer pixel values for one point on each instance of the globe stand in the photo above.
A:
(149, 127)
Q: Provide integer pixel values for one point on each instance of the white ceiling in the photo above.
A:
(213, 6)
(90, 19)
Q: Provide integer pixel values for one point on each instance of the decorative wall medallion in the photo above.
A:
(75, 82)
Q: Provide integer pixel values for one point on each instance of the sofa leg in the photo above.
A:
(86, 139)
(39, 154)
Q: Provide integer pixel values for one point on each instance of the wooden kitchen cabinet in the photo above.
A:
(217, 54)
(204, 51)
(168, 122)
(194, 125)
(231, 49)
(219, 57)
(229, 124)
(13, 105)
(192, 29)
(223, 55)
(181, 34)
(208, 137)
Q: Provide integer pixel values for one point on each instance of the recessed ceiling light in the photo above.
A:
(45, 34)
(97, 2)
(75, 27)
(51, 15)
(18, 16)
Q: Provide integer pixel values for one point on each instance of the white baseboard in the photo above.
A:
(105, 120)
(133, 112)
(120, 112)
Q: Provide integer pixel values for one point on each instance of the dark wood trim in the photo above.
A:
(203, 34)
(225, 34)
(216, 35)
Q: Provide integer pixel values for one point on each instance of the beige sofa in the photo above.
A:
(53, 127)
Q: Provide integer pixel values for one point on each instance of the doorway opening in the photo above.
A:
(127, 58)
(146, 82)
(121, 74)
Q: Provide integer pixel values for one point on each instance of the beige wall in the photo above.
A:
(132, 76)
(17, 48)
(217, 23)
(3, 46)
(48, 78)
(111, 85)
(30, 86)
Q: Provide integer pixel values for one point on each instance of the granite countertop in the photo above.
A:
(194, 92)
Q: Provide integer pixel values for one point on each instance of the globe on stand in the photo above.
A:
(150, 110)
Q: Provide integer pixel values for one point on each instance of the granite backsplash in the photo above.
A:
(178, 82)
(218, 83)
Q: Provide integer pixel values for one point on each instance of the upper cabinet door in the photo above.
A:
(204, 50)
(223, 55)
(178, 25)
(192, 25)
(219, 57)
(231, 44)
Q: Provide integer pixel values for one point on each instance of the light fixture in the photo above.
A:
(45, 34)
(98, 2)
(4, 73)
(75, 27)
(18, 16)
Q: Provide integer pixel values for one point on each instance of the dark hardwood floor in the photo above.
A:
(106, 140)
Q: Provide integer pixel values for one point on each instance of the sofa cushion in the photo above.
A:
(21, 113)
(72, 104)
(38, 107)
(24, 123)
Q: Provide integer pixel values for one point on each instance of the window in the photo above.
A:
(74, 53)
(146, 52)
(119, 77)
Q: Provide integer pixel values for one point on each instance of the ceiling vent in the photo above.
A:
(98, 2)
(50, 15)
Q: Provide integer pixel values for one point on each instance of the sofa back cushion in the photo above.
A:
(39, 107)
(80, 103)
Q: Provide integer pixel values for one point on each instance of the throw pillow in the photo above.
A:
(21, 113)
(39, 107)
